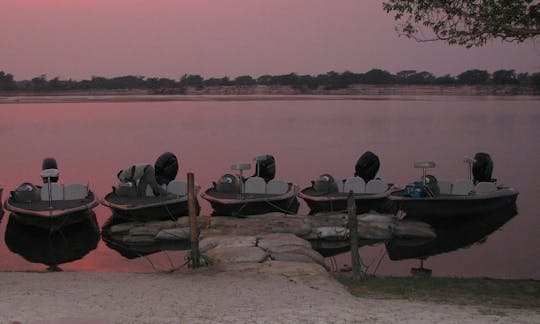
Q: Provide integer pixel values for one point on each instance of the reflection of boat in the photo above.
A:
(328, 194)
(150, 206)
(260, 194)
(431, 200)
(453, 235)
(53, 205)
(39, 245)
(135, 250)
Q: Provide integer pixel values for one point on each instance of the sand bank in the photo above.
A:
(210, 296)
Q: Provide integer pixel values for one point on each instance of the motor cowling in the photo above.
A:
(367, 166)
(166, 168)
(265, 167)
(326, 184)
(482, 168)
(49, 163)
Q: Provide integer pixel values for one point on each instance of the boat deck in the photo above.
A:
(56, 204)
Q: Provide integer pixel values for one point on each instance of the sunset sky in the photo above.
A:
(214, 38)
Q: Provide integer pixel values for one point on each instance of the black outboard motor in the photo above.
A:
(166, 168)
(367, 166)
(483, 168)
(265, 167)
(49, 163)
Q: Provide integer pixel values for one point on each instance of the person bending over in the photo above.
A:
(141, 175)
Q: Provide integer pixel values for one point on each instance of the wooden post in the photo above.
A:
(353, 232)
(193, 226)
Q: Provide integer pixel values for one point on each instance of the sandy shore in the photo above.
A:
(210, 296)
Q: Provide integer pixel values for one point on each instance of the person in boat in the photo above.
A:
(139, 176)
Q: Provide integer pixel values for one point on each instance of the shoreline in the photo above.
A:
(266, 93)
(210, 296)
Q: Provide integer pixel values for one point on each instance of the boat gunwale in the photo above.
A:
(52, 213)
(292, 192)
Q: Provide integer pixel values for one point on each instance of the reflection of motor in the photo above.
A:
(367, 166)
(229, 183)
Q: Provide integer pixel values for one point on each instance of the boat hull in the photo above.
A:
(338, 202)
(449, 207)
(62, 213)
(148, 209)
(247, 205)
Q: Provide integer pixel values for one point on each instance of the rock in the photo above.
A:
(296, 253)
(413, 229)
(237, 254)
(144, 231)
(123, 227)
(293, 269)
(139, 240)
(370, 231)
(177, 233)
(161, 224)
(269, 241)
(226, 241)
(377, 218)
(334, 232)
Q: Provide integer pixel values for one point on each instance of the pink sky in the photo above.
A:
(168, 38)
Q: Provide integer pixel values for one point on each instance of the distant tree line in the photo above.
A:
(328, 81)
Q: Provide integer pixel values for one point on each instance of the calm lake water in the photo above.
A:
(92, 141)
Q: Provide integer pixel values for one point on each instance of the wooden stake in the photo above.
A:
(353, 232)
(193, 226)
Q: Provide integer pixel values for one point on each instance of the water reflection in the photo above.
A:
(142, 246)
(452, 235)
(52, 248)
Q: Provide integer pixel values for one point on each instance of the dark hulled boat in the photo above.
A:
(150, 206)
(52, 205)
(234, 195)
(433, 200)
(328, 194)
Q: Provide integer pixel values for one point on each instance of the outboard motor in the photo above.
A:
(482, 168)
(265, 167)
(49, 163)
(229, 183)
(166, 168)
(325, 185)
(367, 166)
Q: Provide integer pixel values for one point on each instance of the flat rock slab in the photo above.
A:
(144, 231)
(278, 253)
(173, 234)
(293, 269)
(269, 241)
(226, 241)
(237, 254)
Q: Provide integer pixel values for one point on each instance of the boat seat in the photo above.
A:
(75, 191)
(462, 187)
(485, 187)
(150, 192)
(255, 185)
(340, 184)
(177, 187)
(277, 187)
(57, 191)
(376, 186)
(356, 184)
(445, 187)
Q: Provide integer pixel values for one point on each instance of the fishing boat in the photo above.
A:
(52, 205)
(1, 209)
(234, 195)
(432, 200)
(329, 194)
(150, 206)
